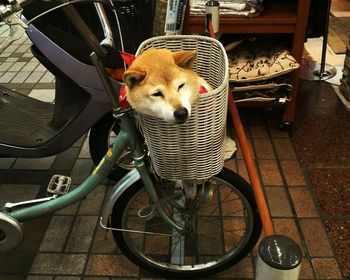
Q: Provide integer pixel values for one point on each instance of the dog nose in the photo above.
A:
(181, 115)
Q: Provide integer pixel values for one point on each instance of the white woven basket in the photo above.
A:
(193, 150)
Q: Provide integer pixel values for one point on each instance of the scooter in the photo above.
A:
(32, 128)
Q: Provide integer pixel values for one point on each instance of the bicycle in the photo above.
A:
(179, 213)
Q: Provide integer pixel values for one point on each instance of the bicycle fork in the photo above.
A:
(141, 172)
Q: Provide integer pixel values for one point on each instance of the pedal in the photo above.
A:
(59, 185)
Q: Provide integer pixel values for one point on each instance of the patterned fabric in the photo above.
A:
(238, 8)
(276, 89)
(256, 62)
(278, 95)
(279, 81)
(258, 70)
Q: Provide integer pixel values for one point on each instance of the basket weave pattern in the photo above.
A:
(193, 150)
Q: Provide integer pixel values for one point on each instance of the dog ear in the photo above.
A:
(133, 76)
(185, 58)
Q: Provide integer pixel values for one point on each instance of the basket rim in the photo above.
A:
(223, 85)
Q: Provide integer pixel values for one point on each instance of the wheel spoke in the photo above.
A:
(215, 233)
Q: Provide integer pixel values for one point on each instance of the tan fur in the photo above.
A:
(160, 82)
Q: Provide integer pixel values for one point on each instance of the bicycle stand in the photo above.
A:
(279, 257)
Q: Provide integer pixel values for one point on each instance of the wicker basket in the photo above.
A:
(193, 150)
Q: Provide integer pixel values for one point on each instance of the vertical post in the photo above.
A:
(303, 7)
(212, 18)
(325, 41)
(324, 71)
(252, 172)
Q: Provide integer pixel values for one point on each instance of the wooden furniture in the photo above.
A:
(279, 17)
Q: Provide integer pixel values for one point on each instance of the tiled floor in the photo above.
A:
(305, 178)
(340, 8)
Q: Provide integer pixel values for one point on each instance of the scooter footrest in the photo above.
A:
(59, 184)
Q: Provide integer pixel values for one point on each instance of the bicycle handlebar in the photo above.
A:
(99, 49)
(10, 7)
(107, 30)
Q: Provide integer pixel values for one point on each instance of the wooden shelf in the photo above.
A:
(290, 17)
(279, 18)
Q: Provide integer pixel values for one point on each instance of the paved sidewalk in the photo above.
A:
(70, 245)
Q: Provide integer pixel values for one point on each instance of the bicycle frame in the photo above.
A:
(127, 136)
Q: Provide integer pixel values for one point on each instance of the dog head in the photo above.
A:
(161, 83)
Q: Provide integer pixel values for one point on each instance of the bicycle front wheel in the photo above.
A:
(221, 229)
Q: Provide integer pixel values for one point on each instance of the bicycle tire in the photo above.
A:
(140, 250)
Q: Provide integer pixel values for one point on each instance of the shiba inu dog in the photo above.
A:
(162, 84)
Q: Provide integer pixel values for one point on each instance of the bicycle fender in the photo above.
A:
(122, 185)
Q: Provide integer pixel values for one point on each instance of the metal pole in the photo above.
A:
(322, 73)
(325, 41)
(251, 168)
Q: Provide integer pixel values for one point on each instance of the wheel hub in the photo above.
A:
(11, 234)
(205, 193)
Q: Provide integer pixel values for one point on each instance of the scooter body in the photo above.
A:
(32, 128)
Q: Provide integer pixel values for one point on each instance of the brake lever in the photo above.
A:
(16, 32)
(14, 19)
(8, 13)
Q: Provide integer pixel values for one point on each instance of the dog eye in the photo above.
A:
(158, 93)
(181, 86)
